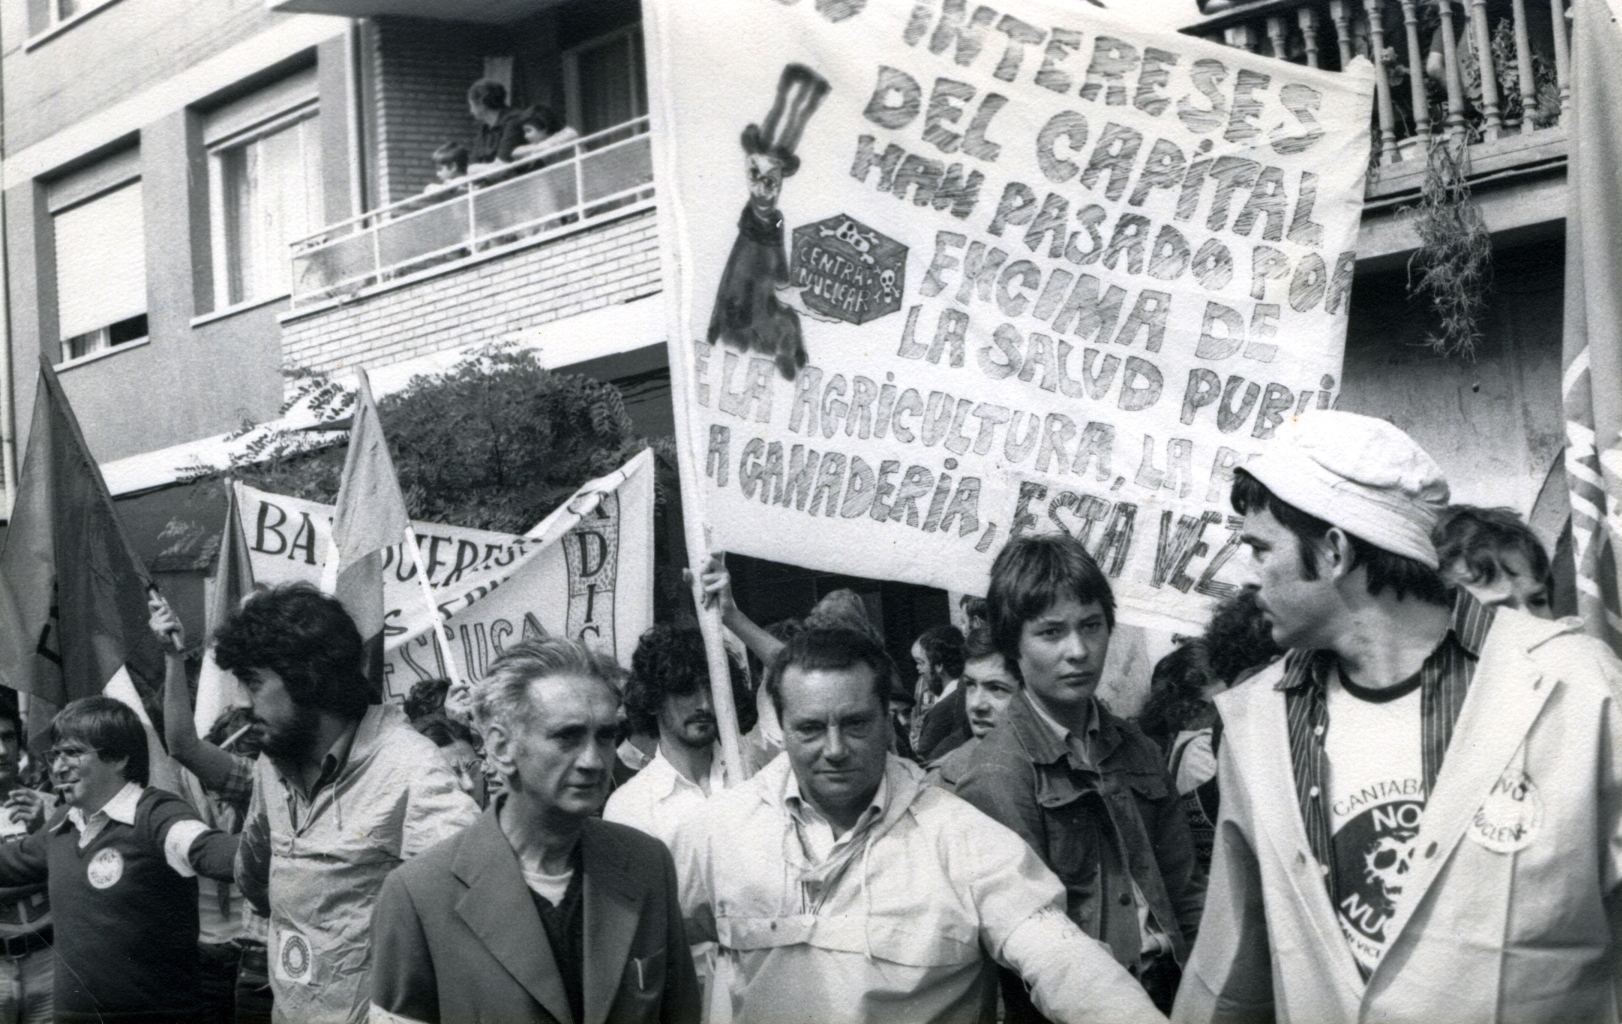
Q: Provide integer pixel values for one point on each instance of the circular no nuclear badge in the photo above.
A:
(1511, 816)
(293, 959)
(105, 868)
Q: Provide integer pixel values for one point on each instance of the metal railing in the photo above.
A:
(1470, 70)
(521, 203)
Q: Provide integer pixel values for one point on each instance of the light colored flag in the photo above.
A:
(218, 689)
(73, 609)
(371, 518)
(1592, 383)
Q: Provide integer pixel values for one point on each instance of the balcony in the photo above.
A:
(1490, 73)
(1432, 84)
(524, 204)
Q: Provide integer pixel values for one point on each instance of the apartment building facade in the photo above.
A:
(201, 194)
(1489, 78)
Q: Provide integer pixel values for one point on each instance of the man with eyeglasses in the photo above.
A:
(120, 862)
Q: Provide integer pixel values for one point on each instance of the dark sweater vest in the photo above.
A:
(126, 923)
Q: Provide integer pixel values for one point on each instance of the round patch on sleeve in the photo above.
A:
(105, 868)
(1512, 815)
(293, 959)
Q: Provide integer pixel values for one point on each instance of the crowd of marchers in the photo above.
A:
(1384, 784)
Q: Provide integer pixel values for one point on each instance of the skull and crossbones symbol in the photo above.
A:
(1388, 863)
(887, 283)
(851, 235)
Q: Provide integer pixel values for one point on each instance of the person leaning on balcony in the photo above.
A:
(544, 131)
(499, 132)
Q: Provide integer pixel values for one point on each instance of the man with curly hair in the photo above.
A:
(347, 791)
(669, 695)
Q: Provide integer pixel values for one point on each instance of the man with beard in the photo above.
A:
(669, 694)
(540, 911)
(346, 792)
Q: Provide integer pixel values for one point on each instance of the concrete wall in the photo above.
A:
(194, 377)
(483, 303)
(119, 50)
(1495, 423)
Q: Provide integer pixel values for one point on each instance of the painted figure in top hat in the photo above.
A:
(755, 310)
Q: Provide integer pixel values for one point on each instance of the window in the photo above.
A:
(606, 81)
(264, 155)
(45, 15)
(101, 271)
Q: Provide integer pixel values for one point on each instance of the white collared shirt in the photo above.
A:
(946, 691)
(815, 828)
(121, 808)
(659, 798)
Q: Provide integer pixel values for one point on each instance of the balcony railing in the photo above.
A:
(1469, 70)
(517, 204)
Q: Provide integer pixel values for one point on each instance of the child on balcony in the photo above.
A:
(544, 131)
(450, 164)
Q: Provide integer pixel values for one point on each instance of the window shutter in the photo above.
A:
(100, 261)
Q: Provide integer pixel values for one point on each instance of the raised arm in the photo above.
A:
(216, 769)
(718, 588)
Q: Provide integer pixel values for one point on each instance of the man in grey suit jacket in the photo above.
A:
(539, 911)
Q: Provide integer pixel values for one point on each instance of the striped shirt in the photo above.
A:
(1444, 680)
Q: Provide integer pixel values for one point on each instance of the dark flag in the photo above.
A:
(72, 590)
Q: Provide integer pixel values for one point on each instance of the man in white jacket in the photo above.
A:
(1421, 814)
(840, 888)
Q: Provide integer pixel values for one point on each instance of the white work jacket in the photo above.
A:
(1504, 917)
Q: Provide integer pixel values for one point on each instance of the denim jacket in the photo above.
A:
(1098, 830)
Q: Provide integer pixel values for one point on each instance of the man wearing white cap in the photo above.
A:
(1422, 803)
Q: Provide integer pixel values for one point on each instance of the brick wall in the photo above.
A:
(483, 303)
(420, 74)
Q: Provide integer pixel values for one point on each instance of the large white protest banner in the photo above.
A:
(586, 571)
(999, 268)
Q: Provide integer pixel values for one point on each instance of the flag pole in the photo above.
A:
(663, 117)
(453, 672)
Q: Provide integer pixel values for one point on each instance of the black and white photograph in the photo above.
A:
(810, 511)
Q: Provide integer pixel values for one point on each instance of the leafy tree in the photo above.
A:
(496, 442)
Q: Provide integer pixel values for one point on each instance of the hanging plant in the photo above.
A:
(1453, 265)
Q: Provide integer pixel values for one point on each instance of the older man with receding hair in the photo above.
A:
(539, 910)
